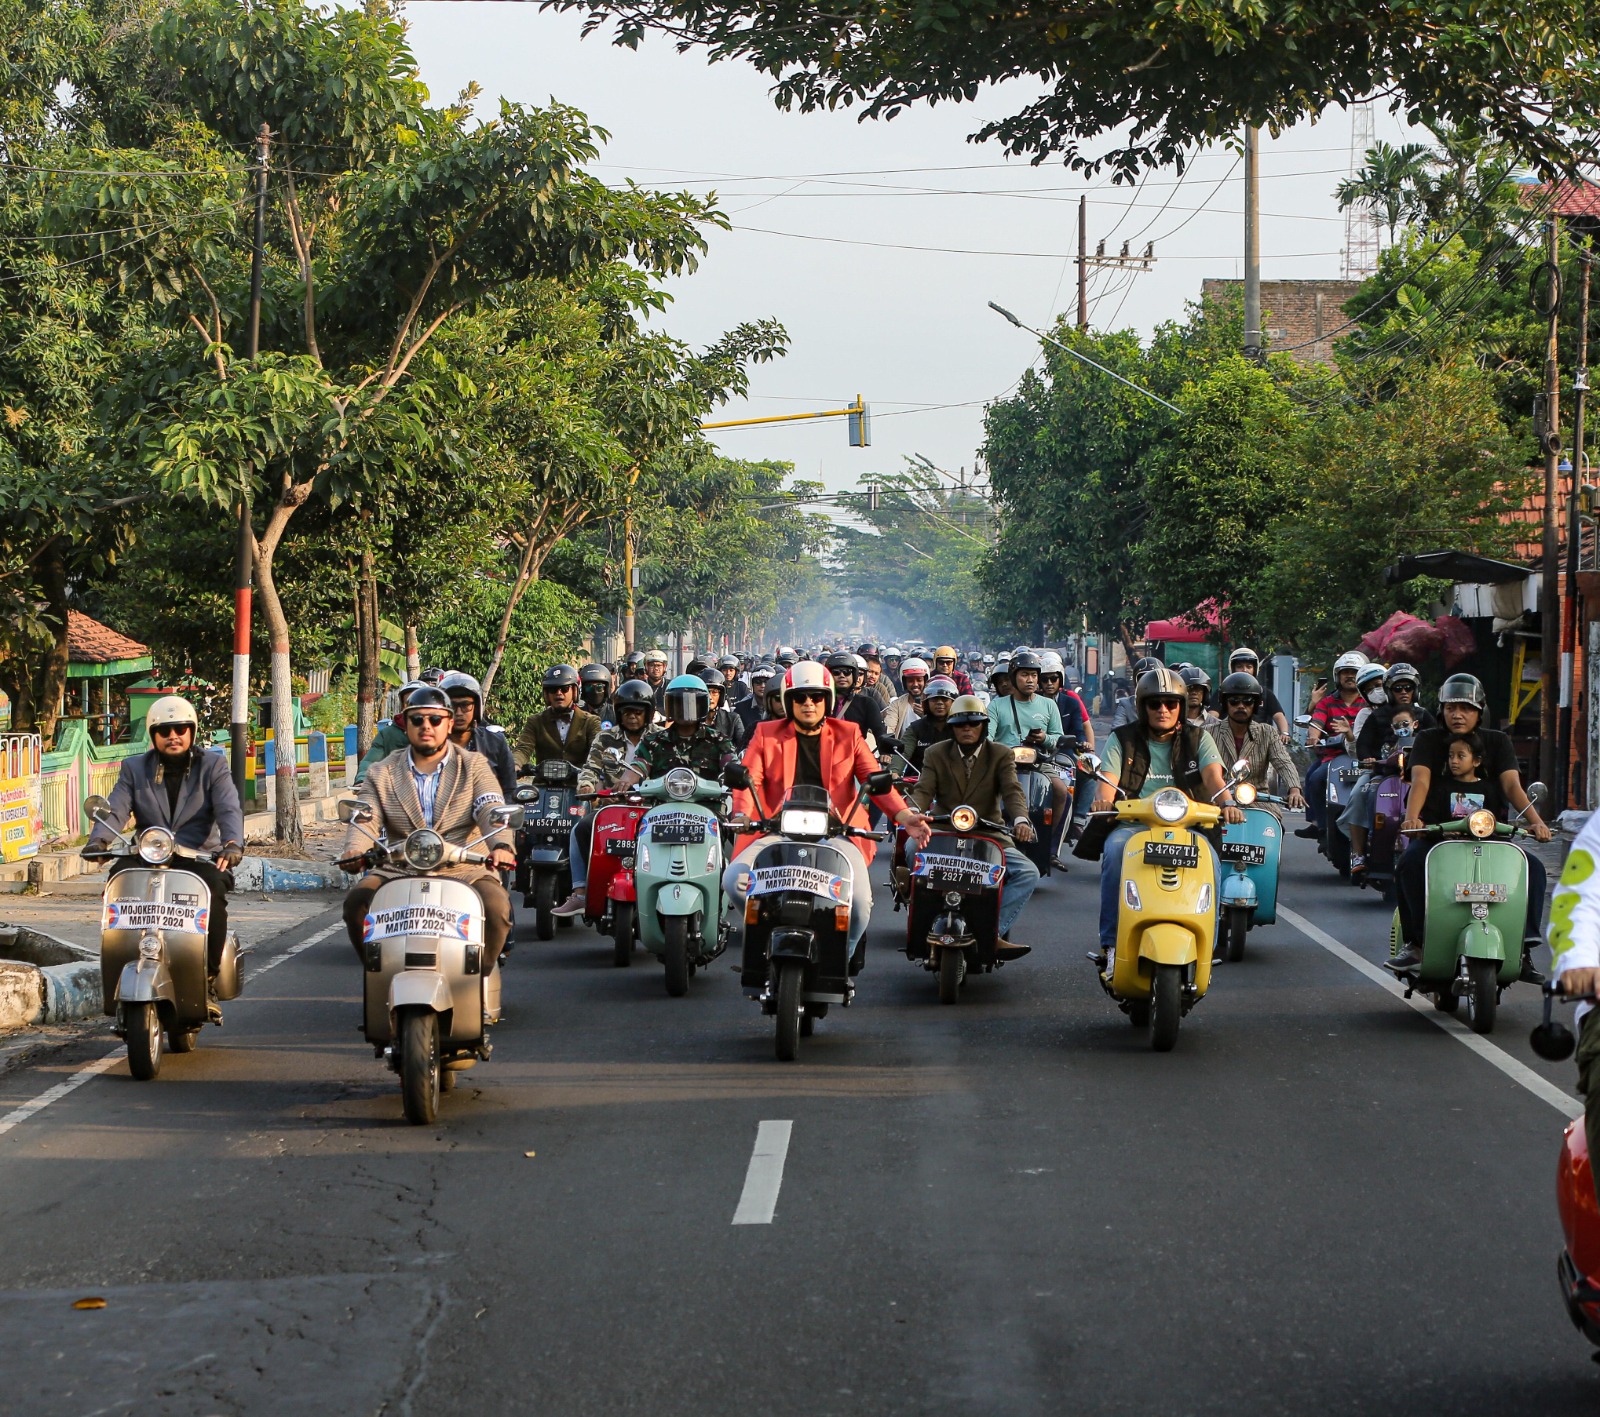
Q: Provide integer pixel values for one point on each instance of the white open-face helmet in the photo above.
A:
(914, 665)
(1051, 663)
(1350, 659)
(808, 674)
(170, 709)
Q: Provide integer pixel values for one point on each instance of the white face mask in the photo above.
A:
(1377, 696)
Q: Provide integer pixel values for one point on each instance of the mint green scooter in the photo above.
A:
(678, 872)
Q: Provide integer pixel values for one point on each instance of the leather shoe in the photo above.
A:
(1529, 974)
(1308, 831)
(1004, 949)
(1408, 958)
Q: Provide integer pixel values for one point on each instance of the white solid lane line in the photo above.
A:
(765, 1176)
(1519, 1073)
(77, 1079)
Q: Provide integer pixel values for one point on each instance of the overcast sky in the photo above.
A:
(866, 311)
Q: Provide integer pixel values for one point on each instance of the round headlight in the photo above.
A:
(964, 819)
(155, 845)
(1245, 793)
(424, 850)
(1481, 822)
(680, 784)
(1170, 805)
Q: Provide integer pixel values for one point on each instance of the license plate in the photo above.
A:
(1245, 853)
(1480, 892)
(679, 833)
(1349, 774)
(620, 846)
(1171, 853)
(548, 825)
(940, 870)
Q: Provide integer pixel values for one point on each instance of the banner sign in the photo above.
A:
(156, 915)
(950, 869)
(764, 880)
(433, 920)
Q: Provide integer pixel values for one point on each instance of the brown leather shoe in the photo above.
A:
(1004, 949)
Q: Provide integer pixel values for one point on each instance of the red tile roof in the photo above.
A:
(90, 642)
(1571, 198)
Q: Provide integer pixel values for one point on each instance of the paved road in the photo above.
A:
(1319, 1202)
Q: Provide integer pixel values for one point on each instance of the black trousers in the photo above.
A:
(217, 881)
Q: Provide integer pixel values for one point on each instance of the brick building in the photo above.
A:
(1303, 317)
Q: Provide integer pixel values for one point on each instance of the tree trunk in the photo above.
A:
(52, 677)
(527, 573)
(287, 828)
(367, 686)
(413, 654)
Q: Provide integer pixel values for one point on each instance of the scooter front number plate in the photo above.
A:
(1171, 853)
(1244, 852)
(1476, 892)
(621, 846)
(683, 830)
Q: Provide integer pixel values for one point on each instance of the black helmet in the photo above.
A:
(867, 650)
(841, 662)
(713, 677)
(729, 664)
(697, 667)
(1144, 666)
(594, 684)
(1001, 670)
(428, 697)
(787, 656)
(636, 694)
(1241, 683)
(941, 686)
(1025, 659)
(559, 676)
(1195, 677)
(1463, 689)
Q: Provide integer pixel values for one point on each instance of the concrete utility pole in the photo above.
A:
(1550, 559)
(244, 552)
(1083, 263)
(1252, 243)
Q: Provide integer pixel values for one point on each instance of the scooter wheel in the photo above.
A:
(1166, 1007)
(791, 976)
(1483, 994)
(182, 1040)
(544, 904)
(1238, 926)
(675, 929)
(143, 1023)
(622, 931)
(419, 1065)
(952, 972)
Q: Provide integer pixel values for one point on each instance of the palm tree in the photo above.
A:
(1395, 182)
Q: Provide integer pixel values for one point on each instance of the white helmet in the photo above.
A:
(1243, 652)
(808, 674)
(1350, 659)
(168, 709)
(914, 665)
(1051, 663)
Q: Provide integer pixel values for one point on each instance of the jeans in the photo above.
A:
(1411, 891)
(1363, 804)
(1317, 791)
(1021, 878)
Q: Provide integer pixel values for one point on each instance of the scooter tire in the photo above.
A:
(622, 931)
(675, 954)
(1238, 925)
(419, 1065)
(1166, 1007)
(808, 1023)
(1447, 1001)
(791, 975)
(1483, 994)
(143, 1022)
(1139, 1013)
(182, 1040)
(952, 973)
(544, 904)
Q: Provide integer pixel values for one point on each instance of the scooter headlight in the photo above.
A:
(1170, 805)
(155, 845)
(1244, 793)
(797, 821)
(149, 948)
(680, 784)
(1481, 822)
(424, 850)
(964, 819)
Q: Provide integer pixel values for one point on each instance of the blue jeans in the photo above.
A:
(1317, 791)
(1021, 877)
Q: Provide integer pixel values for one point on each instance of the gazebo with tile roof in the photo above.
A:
(96, 651)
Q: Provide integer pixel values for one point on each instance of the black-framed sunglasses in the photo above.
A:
(429, 720)
(808, 696)
(1164, 703)
(167, 728)
(1234, 700)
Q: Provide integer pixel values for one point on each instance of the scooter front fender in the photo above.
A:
(423, 988)
(1238, 889)
(144, 981)
(622, 887)
(679, 898)
(1482, 940)
(1168, 943)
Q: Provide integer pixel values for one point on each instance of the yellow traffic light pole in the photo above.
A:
(856, 410)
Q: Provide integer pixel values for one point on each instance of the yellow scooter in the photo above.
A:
(1167, 911)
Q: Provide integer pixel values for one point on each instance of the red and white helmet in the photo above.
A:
(808, 674)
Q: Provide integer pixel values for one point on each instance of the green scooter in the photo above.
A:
(1476, 914)
(678, 870)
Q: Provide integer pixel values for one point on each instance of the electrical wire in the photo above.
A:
(973, 251)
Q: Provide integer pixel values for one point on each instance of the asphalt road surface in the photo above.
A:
(1321, 1201)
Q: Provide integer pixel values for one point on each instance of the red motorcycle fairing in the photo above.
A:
(1580, 1208)
(616, 834)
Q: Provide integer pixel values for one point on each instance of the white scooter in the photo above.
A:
(428, 1001)
(153, 945)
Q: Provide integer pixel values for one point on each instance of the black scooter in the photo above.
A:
(544, 841)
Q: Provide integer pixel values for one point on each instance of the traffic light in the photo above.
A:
(860, 425)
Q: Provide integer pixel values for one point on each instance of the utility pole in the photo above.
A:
(1083, 263)
(1550, 580)
(244, 553)
(1569, 609)
(1252, 242)
(627, 579)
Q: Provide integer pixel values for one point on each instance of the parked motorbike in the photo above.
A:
(612, 902)
(1251, 853)
(1160, 966)
(796, 960)
(153, 945)
(1476, 913)
(957, 881)
(544, 842)
(1578, 1268)
(427, 1000)
(678, 871)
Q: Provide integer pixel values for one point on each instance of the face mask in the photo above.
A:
(1377, 696)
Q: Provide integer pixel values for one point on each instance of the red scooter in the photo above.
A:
(1579, 1266)
(612, 902)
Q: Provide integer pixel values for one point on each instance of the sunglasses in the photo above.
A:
(167, 728)
(1234, 700)
(808, 696)
(1173, 704)
(432, 720)
(461, 705)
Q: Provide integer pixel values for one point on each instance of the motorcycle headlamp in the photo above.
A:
(424, 850)
(803, 821)
(1170, 805)
(1481, 822)
(1245, 793)
(680, 784)
(554, 770)
(964, 819)
(155, 845)
(150, 948)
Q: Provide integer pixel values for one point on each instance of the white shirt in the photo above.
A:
(427, 785)
(1575, 909)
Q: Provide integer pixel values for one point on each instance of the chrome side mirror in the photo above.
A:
(1240, 768)
(352, 811)
(97, 808)
(507, 816)
(1539, 795)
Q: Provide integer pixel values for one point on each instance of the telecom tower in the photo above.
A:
(1360, 221)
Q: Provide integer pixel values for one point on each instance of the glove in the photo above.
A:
(231, 855)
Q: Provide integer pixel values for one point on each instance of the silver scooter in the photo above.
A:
(153, 945)
(427, 1002)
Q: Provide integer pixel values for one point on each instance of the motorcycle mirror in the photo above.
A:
(1552, 1041)
(736, 775)
(1538, 795)
(351, 810)
(879, 783)
(1240, 768)
(507, 816)
(96, 807)
(1090, 761)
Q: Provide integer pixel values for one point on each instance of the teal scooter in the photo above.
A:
(1250, 855)
(678, 870)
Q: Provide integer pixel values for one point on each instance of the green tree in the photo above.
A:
(1394, 182)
